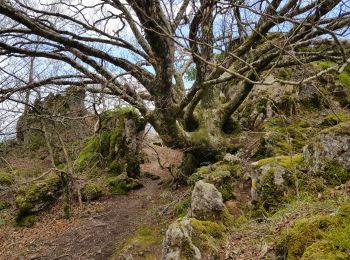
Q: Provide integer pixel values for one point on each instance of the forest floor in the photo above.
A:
(99, 228)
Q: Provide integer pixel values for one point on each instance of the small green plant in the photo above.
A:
(182, 207)
(6, 178)
(26, 221)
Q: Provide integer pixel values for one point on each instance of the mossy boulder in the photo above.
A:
(209, 236)
(206, 202)
(6, 178)
(329, 155)
(318, 237)
(38, 195)
(116, 147)
(178, 242)
(91, 191)
(190, 238)
(122, 184)
(202, 233)
(221, 174)
(272, 179)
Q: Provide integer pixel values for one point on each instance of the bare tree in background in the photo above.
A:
(155, 44)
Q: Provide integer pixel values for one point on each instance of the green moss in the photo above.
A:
(334, 173)
(216, 173)
(344, 78)
(208, 235)
(324, 64)
(6, 178)
(226, 190)
(182, 207)
(220, 174)
(121, 185)
(339, 129)
(272, 192)
(318, 237)
(200, 136)
(26, 221)
(272, 195)
(288, 162)
(187, 250)
(258, 213)
(334, 119)
(108, 148)
(4, 205)
(283, 136)
(37, 195)
(323, 250)
(142, 241)
(91, 191)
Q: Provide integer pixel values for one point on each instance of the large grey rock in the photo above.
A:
(336, 147)
(178, 244)
(332, 145)
(206, 202)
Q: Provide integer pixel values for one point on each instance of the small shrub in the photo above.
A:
(6, 178)
(182, 207)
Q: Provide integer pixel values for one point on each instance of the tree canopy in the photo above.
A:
(170, 59)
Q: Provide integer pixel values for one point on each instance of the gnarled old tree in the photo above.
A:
(185, 65)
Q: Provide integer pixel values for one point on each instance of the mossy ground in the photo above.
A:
(141, 242)
(6, 177)
(26, 221)
(283, 136)
(318, 237)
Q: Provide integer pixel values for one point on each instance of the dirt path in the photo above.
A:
(97, 235)
(95, 231)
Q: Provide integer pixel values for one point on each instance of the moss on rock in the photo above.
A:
(116, 146)
(288, 162)
(273, 180)
(91, 191)
(208, 236)
(121, 184)
(283, 136)
(39, 194)
(220, 174)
